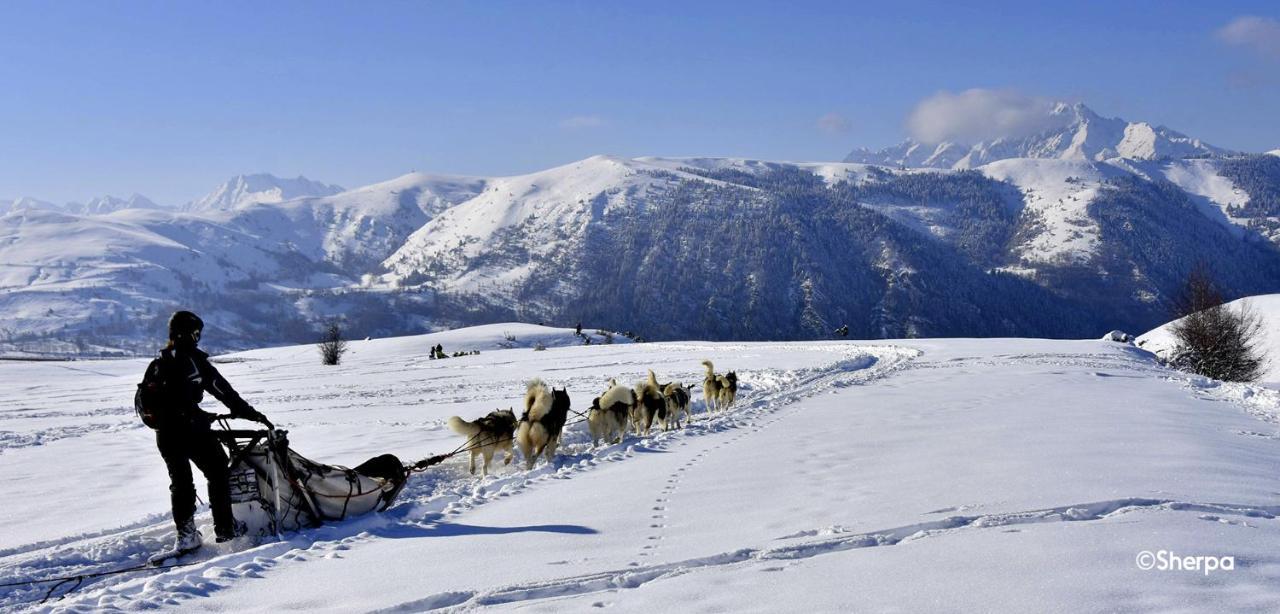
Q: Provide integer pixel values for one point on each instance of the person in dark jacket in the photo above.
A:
(183, 433)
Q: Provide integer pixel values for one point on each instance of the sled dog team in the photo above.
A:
(546, 410)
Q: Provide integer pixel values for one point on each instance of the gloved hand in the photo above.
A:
(256, 416)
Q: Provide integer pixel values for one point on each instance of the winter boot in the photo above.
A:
(188, 537)
(238, 528)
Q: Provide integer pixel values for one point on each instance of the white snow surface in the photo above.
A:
(922, 475)
(1160, 340)
(1057, 193)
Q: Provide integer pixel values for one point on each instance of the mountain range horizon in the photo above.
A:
(1062, 231)
(1069, 140)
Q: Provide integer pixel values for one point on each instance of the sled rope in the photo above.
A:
(80, 578)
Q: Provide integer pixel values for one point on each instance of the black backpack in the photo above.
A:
(154, 397)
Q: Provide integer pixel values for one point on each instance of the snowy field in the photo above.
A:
(925, 475)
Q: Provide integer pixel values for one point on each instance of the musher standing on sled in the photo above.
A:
(183, 432)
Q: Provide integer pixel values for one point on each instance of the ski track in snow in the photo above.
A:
(428, 501)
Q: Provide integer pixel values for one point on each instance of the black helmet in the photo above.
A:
(185, 324)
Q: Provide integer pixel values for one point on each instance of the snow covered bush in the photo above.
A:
(1212, 339)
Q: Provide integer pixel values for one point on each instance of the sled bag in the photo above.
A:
(275, 489)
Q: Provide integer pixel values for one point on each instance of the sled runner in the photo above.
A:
(274, 489)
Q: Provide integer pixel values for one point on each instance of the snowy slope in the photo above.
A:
(1081, 134)
(1160, 340)
(1056, 193)
(830, 171)
(970, 475)
(112, 278)
(355, 229)
(535, 215)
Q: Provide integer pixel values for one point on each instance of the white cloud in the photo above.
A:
(981, 115)
(581, 122)
(1260, 34)
(833, 123)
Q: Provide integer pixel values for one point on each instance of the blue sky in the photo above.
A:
(170, 98)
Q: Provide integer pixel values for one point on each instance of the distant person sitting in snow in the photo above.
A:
(182, 429)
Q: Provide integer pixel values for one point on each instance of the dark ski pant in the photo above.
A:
(181, 447)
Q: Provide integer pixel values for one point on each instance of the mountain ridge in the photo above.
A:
(1077, 133)
(669, 248)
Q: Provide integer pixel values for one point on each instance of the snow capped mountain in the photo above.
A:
(264, 267)
(1078, 134)
(26, 202)
(537, 214)
(1274, 152)
(721, 248)
(98, 206)
(109, 204)
(244, 190)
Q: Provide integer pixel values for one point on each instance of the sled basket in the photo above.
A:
(274, 489)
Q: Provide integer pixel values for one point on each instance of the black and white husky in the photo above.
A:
(728, 390)
(545, 412)
(607, 418)
(650, 406)
(677, 399)
(487, 435)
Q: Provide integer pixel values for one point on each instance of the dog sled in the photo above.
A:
(275, 489)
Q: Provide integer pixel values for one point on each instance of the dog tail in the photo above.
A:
(537, 400)
(653, 380)
(615, 395)
(711, 369)
(462, 427)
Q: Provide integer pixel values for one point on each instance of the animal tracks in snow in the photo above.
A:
(832, 539)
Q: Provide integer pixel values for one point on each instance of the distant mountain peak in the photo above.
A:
(109, 204)
(96, 206)
(1075, 132)
(244, 190)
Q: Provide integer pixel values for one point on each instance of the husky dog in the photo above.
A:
(545, 412)
(607, 418)
(677, 399)
(711, 386)
(728, 390)
(486, 436)
(649, 407)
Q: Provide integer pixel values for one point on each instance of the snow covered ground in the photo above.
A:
(924, 475)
